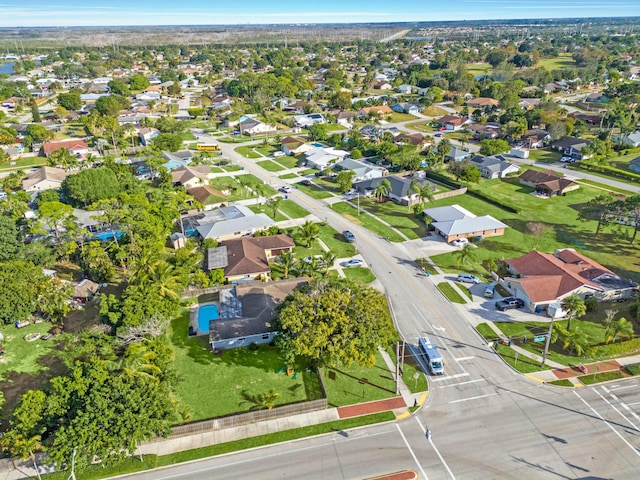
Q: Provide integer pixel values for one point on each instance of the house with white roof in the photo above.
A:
(305, 121)
(226, 223)
(362, 170)
(494, 167)
(322, 157)
(454, 222)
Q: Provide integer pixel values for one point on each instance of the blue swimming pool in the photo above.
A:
(206, 313)
(317, 144)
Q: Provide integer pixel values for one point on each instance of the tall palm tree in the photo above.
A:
(621, 327)
(287, 262)
(137, 361)
(466, 255)
(274, 204)
(575, 340)
(162, 277)
(309, 232)
(383, 189)
(328, 258)
(573, 305)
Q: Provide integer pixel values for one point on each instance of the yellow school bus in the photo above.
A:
(208, 147)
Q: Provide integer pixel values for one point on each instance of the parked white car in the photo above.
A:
(354, 262)
(278, 154)
(461, 242)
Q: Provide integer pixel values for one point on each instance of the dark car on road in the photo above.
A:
(348, 236)
(509, 303)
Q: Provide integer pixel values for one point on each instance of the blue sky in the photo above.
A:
(201, 12)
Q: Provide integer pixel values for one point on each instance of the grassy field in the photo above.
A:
(360, 275)
(21, 356)
(23, 163)
(270, 166)
(450, 292)
(288, 176)
(248, 151)
(486, 331)
(346, 386)
(367, 221)
(314, 191)
(268, 150)
(479, 68)
(398, 216)
(292, 210)
(562, 61)
(421, 127)
(622, 161)
(262, 208)
(558, 214)
(287, 162)
(522, 364)
(213, 385)
(396, 117)
(545, 156)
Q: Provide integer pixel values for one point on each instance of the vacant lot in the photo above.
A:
(562, 61)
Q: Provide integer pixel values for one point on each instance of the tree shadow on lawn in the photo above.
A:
(364, 381)
(17, 384)
(607, 242)
(197, 347)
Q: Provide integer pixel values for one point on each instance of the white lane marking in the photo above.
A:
(622, 387)
(461, 359)
(415, 459)
(622, 404)
(463, 383)
(633, 403)
(448, 377)
(473, 398)
(607, 423)
(424, 430)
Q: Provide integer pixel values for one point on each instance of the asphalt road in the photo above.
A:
(485, 420)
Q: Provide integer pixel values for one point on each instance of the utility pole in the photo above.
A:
(546, 344)
(397, 368)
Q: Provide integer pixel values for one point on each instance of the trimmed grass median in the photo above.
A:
(450, 292)
(369, 222)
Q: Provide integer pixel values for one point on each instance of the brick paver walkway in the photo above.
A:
(371, 407)
(587, 368)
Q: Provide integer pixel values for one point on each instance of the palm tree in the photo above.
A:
(329, 259)
(259, 189)
(425, 193)
(573, 305)
(621, 327)
(575, 340)
(161, 277)
(138, 361)
(62, 157)
(309, 231)
(274, 204)
(383, 189)
(287, 262)
(263, 400)
(22, 446)
(466, 255)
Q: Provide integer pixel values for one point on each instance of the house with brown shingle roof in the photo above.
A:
(294, 146)
(483, 102)
(190, 177)
(44, 178)
(248, 258)
(540, 279)
(382, 110)
(452, 122)
(547, 183)
(207, 196)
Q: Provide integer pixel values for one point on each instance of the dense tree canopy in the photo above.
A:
(335, 322)
(22, 282)
(91, 185)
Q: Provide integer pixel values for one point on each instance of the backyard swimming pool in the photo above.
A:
(206, 313)
(317, 144)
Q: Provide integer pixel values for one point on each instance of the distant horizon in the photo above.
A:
(164, 13)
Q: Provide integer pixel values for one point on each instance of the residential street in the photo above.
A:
(485, 420)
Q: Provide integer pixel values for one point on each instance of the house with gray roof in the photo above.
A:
(454, 222)
(401, 191)
(362, 170)
(457, 154)
(322, 157)
(230, 222)
(494, 167)
(631, 140)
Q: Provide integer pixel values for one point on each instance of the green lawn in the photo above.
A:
(268, 150)
(25, 162)
(214, 386)
(622, 161)
(367, 221)
(314, 191)
(464, 289)
(333, 127)
(397, 117)
(410, 368)
(479, 68)
(562, 61)
(21, 356)
(450, 292)
(602, 186)
(422, 126)
(248, 151)
(334, 241)
(287, 176)
(287, 162)
(270, 166)
(346, 386)
(561, 383)
(603, 377)
(262, 208)
(292, 209)
(359, 274)
(545, 156)
(398, 216)
(486, 331)
(522, 364)
(559, 214)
